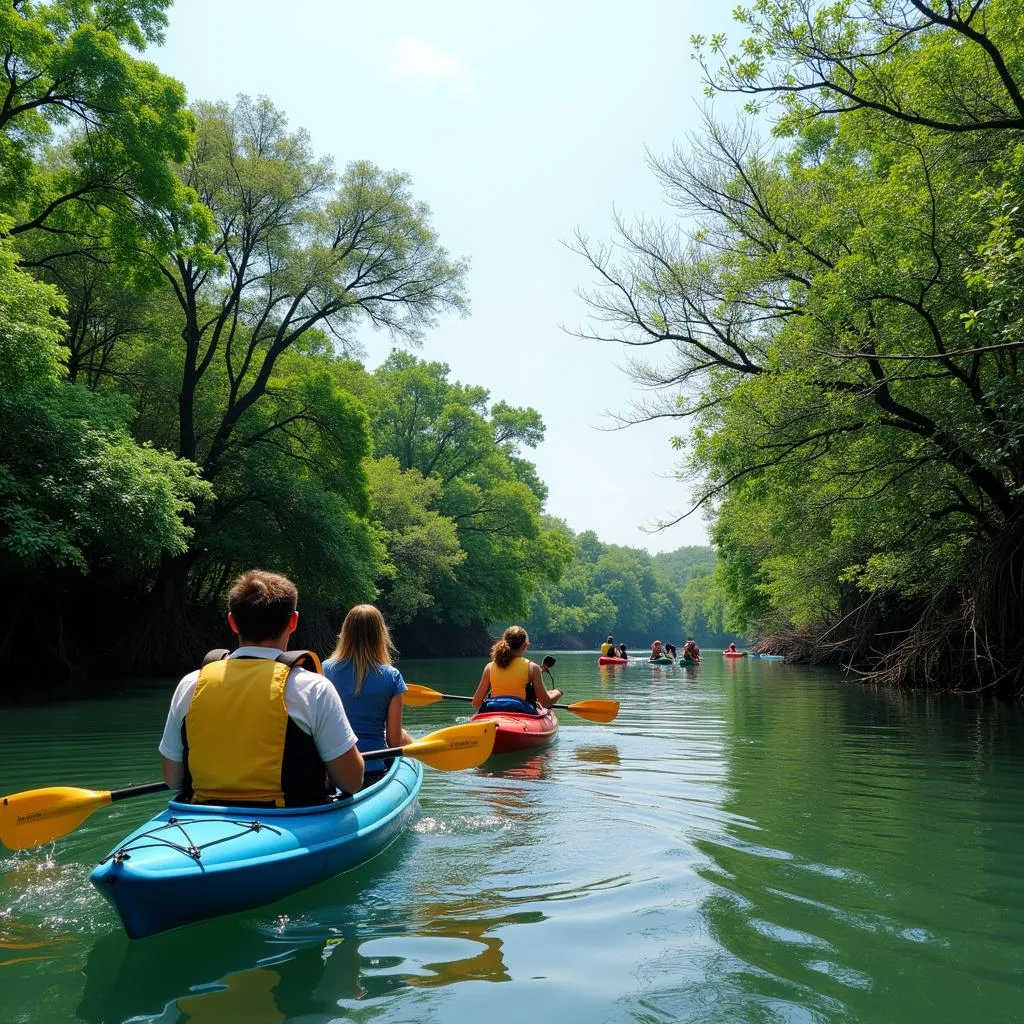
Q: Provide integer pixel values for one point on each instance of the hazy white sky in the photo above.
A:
(519, 122)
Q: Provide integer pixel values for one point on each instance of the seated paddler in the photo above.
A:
(510, 682)
(259, 726)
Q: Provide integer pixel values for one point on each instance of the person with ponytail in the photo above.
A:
(370, 686)
(509, 674)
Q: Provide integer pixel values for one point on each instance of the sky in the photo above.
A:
(519, 124)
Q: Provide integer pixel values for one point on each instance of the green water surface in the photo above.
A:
(747, 842)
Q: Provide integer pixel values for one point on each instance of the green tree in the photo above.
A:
(422, 545)
(76, 490)
(67, 69)
(449, 432)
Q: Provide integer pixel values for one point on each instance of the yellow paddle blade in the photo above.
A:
(417, 696)
(39, 816)
(595, 710)
(454, 748)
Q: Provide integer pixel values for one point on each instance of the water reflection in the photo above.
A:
(599, 760)
(856, 826)
(527, 765)
(239, 973)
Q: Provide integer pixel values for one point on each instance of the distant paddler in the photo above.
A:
(608, 648)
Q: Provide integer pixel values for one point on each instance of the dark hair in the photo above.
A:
(512, 641)
(261, 604)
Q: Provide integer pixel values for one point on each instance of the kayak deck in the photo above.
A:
(519, 731)
(191, 862)
(612, 661)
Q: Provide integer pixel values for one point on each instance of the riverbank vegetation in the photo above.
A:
(627, 592)
(836, 317)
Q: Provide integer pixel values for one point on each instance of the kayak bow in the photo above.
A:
(191, 862)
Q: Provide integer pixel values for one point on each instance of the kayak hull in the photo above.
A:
(662, 661)
(612, 661)
(689, 662)
(191, 862)
(520, 731)
(734, 654)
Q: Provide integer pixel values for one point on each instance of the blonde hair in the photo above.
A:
(365, 641)
(510, 646)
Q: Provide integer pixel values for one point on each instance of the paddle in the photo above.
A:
(39, 816)
(592, 710)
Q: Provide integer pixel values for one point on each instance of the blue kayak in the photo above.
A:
(190, 861)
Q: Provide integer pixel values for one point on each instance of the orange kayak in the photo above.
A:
(519, 731)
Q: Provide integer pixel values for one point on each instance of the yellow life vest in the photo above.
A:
(236, 732)
(511, 680)
(607, 650)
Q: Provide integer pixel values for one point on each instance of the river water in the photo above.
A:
(747, 842)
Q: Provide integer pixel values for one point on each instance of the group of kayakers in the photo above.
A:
(262, 726)
(659, 651)
(691, 652)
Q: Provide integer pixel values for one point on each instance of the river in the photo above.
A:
(747, 842)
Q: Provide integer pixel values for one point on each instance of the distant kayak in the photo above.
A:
(688, 662)
(612, 661)
(518, 730)
(770, 657)
(734, 654)
(662, 661)
(193, 861)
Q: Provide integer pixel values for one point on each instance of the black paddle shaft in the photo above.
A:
(128, 791)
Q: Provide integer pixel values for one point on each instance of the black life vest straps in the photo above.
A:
(304, 659)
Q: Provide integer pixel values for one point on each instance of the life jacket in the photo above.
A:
(512, 680)
(607, 650)
(240, 746)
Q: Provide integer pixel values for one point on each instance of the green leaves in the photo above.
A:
(75, 489)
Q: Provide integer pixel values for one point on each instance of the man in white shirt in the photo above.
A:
(256, 728)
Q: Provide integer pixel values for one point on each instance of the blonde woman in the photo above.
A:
(509, 674)
(370, 686)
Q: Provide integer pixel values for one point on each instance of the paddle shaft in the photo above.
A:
(455, 696)
(144, 790)
(159, 787)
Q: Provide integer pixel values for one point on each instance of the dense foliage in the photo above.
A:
(838, 320)
(628, 593)
(181, 391)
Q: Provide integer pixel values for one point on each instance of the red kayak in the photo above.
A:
(735, 654)
(518, 731)
(612, 661)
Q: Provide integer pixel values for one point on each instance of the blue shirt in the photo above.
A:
(368, 712)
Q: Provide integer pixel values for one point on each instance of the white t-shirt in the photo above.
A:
(311, 701)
